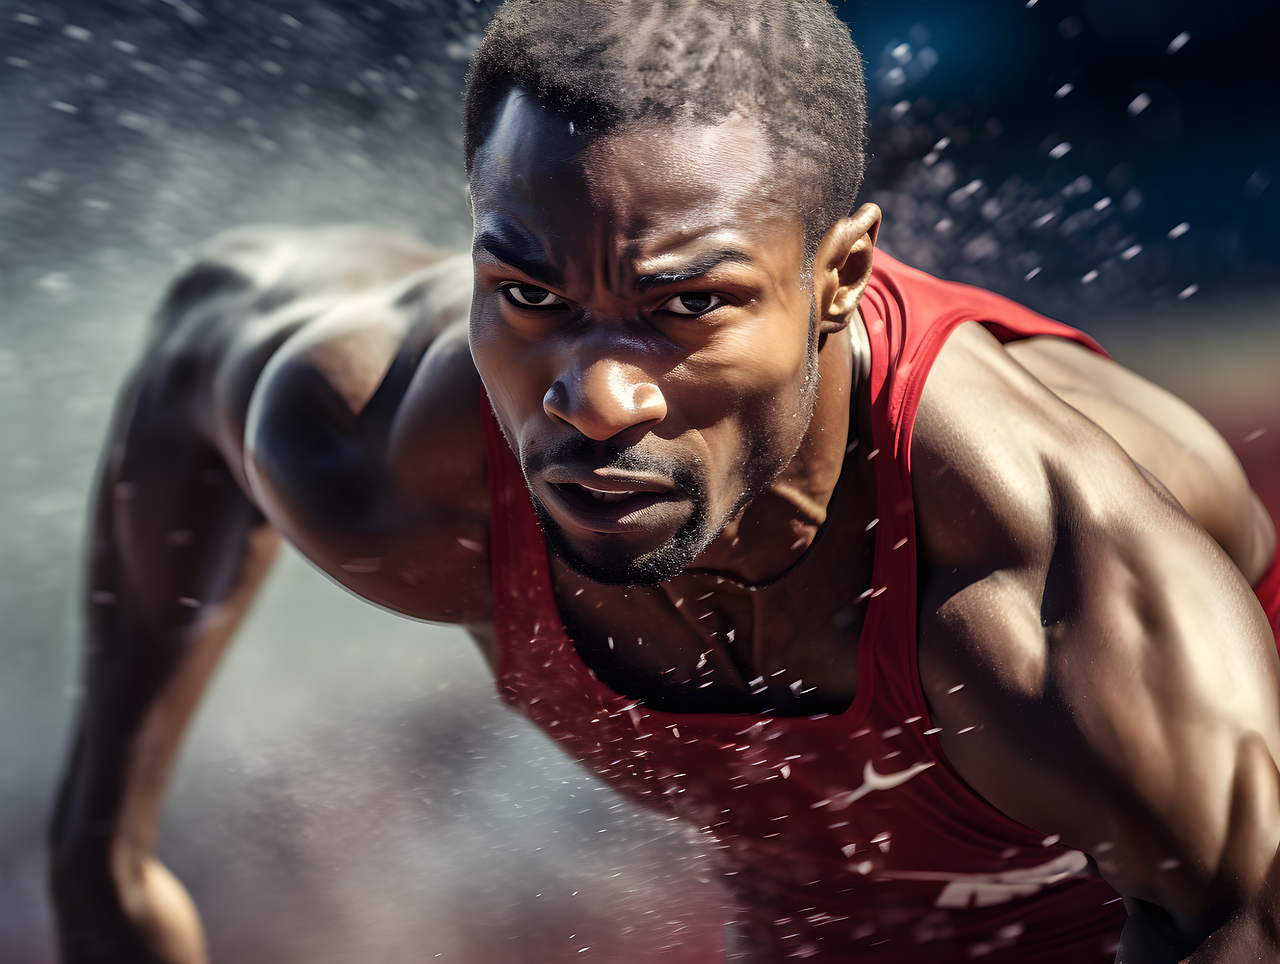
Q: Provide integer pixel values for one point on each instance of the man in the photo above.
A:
(936, 619)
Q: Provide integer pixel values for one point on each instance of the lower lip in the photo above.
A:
(642, 512)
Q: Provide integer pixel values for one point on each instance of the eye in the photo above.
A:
(530, 296)
(692, 303)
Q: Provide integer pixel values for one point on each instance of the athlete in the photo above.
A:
(938, 621)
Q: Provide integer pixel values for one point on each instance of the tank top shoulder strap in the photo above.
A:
(908, 316)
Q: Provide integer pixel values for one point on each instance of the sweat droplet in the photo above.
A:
(1050, 840)
(956, 689)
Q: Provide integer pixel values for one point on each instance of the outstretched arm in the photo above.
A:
(179, 547)
(1121, 674)
(178, 553)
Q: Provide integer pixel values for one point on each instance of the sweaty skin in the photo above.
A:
(681, 390)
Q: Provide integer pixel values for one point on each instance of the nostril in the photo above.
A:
(556, 401)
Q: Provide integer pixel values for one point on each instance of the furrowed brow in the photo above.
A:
(691, 270)
(521, 252)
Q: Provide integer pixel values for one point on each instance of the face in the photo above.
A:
(642, 323)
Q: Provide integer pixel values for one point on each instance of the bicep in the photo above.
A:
(1128, 705)
(1119, 678)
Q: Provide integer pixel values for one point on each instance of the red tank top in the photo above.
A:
(847, 836)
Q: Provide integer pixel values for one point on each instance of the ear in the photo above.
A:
(842, 267)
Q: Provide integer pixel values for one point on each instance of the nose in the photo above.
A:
(607, 399)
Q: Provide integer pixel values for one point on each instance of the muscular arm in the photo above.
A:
(1164, 435)
(1120, 674)
(182, 536)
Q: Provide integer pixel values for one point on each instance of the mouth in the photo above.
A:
(606, 495)
(604, 505)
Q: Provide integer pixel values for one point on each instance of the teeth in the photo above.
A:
(601, 496)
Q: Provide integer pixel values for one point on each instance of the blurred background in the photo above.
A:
(352, 791)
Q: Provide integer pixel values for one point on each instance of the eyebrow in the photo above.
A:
(692, 269)
(521, 251)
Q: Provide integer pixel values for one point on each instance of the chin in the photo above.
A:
(610, 565)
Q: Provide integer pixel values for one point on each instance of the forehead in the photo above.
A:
(536, 164)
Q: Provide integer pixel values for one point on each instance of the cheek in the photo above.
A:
(755, 370)
(508, 375)
(746, 397)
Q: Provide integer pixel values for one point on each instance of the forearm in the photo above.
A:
(177, 552)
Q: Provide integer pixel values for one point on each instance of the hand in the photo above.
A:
(164, 915)
(141, 916)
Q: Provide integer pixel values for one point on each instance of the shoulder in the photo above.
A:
(1164, 435)
(1095, 660)
(362, 445)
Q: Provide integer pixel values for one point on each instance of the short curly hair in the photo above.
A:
(607, 64)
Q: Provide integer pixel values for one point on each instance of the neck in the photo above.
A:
(772, 534)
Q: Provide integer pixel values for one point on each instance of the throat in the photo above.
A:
(701, 644)
(754, 585)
